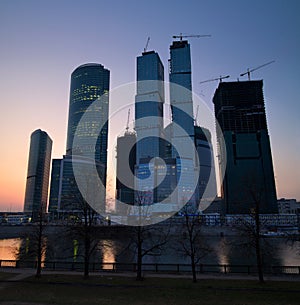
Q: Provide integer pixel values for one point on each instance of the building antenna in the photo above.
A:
(146, 46)
(251, 70)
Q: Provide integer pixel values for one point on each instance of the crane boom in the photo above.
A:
(147, 43)
(214, 79)
(254, 69)
(186, 36)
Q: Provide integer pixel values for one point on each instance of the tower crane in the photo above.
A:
(186, 36)
(254, 69)
(146, 46)
(214, 79)
(127, 124)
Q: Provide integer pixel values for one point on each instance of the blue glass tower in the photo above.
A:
(182, 129)
(37, 182)
(181, 75)
(149, 102)
(149, 127)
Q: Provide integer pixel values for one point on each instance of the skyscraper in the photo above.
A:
(37, 182)
(149, 102)
(126, 161)
(182, 131)
(181, 100)
(248, 171)
(89, 82)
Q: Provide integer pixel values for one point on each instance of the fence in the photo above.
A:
(151, 267)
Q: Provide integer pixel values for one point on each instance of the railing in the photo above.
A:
(152, 267)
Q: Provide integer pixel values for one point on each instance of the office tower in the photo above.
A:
(181, 131)
(89, 82)
(37, 182)
(181, 99)
(248, 172)
(149, 102)
(206, 189)
(54, 198)
(126, 160)
(148, 120)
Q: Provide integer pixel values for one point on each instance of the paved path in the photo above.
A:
(23, 273)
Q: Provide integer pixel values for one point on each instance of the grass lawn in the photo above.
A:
(66, 290)
(6, 275)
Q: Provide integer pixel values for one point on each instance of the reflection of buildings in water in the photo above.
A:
(108, 248)
(9, 248)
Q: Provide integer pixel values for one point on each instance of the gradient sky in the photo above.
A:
(42, 42)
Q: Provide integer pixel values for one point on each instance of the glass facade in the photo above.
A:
(37, 181)
(89, 82)
(248, 171)
(149, 106)
(181, 75)
(126, 160)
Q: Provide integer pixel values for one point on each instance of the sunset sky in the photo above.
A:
(42, 42)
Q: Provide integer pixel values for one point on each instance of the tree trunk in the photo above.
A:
(193, 269)
(86, 257)
(40, 249)
(257, 247)
(139, 257)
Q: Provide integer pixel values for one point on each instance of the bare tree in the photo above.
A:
(35, 242)
(251, 225)
(85, 230)
(83, 225)
(191, 242)
(146, 240)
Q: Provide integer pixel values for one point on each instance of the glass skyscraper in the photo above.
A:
(89, 82)
(149, 102)
(37, 181)
(180, 99)
(182, 129)
(245, 156)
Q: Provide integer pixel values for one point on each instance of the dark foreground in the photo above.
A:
(74, 289)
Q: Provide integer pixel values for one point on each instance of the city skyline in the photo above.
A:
(38, 56)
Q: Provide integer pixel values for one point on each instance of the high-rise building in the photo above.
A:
(149, 102)
(181, 99)
(182, 131)
(245, 154)
(89, 82)
(149, 127)
(126, 160)
(206, 189)
(37, 182)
